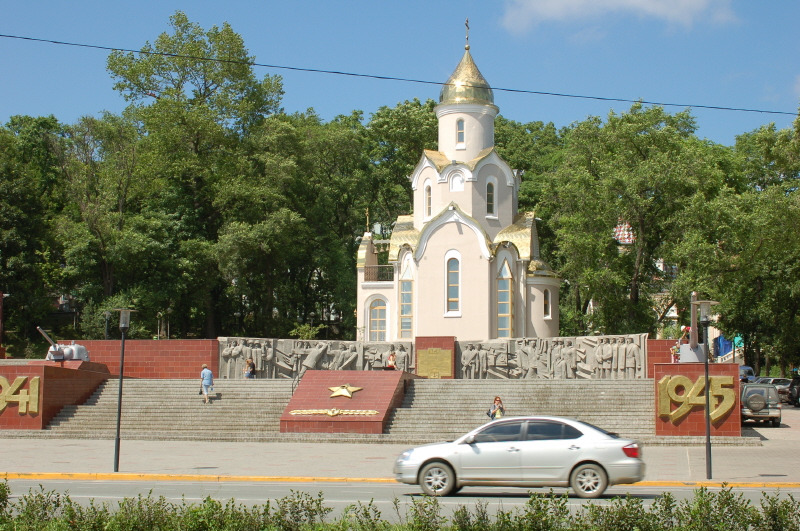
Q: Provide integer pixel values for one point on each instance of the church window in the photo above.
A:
(505, 302)
(546, 304)
(490, 199)
(428, 200)
(377, 320)
(406, 302)
(406, 308)
(460, 134)
(457, 182)
(453, 285)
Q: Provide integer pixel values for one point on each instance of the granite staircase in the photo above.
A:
(432, 410)
(449, 408)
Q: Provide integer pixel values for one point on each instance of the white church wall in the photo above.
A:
(432, 315)
(478, 129)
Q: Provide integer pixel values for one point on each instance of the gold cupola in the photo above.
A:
(467, 84)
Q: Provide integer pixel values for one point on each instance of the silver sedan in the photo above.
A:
(524, 452)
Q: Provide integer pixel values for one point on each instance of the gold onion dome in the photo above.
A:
(467, 84)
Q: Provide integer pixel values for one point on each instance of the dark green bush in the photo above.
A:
(706, 510)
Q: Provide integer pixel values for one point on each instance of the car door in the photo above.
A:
(550, 450)
(493, 454)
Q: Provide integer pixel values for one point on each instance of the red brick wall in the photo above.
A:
(658, 351)
(60, 384)
(145, 358)
(694, 422)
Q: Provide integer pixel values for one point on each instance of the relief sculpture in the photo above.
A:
(566, 358)
(291, 358)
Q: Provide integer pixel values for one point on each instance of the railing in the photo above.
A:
(379, 273)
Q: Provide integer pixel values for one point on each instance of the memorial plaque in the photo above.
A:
(435, 363)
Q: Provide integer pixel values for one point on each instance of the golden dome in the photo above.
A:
(467, 84)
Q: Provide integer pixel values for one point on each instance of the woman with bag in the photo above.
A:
(497, 410)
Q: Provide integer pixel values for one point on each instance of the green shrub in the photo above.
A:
(776, 513)
(706, 510)
(297, 510)
(361, 517)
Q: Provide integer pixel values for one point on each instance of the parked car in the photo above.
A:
(781, 384)
(793, 398)
(760, 402)
(540, 451)
(747, 372)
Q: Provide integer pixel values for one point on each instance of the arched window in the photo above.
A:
(546, 304)
(457, 182)
(427, 200)
(377, 320)
(460, 134)
(406, 302)
(490, 199)
(505, 302)
(453, 285)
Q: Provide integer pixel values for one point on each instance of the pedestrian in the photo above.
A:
(249, 368)
(206, 382)
(391, 363)
(497, 410)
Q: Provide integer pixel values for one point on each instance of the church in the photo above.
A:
(466, 262)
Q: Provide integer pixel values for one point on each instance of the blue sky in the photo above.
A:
(739, 54)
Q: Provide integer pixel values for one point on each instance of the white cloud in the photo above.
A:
(520, 15)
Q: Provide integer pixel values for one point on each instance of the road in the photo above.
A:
(347, 474)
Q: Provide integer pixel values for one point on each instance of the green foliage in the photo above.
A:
(306, 331)
(706, 510)
(363, 517)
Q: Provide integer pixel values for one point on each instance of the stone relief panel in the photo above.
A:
(585, 357)
(291, 358)
(483, 360)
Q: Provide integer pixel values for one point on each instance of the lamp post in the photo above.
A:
(124, 325)
(704, 308)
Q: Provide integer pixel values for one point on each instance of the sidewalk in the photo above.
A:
(775, 464)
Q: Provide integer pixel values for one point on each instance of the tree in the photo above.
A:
(195, 98)
(398, 135)
(31, 156)
(638, 168)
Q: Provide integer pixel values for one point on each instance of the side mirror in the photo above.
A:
(470, 439)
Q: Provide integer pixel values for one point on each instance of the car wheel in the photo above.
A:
(776, 423)
(437, 479)
(588, 480)
(756, 402)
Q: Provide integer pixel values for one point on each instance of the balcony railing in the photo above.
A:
(379, 273)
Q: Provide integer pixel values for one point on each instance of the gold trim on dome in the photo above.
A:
(520, 233)
(441, 161)
(403, 234)
(466, 84)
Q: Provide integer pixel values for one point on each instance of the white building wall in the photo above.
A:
(433, 320)
(478, 129)
(540, 325)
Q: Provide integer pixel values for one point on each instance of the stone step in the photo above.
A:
(433, 410)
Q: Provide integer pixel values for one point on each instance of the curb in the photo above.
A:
(122, 476)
